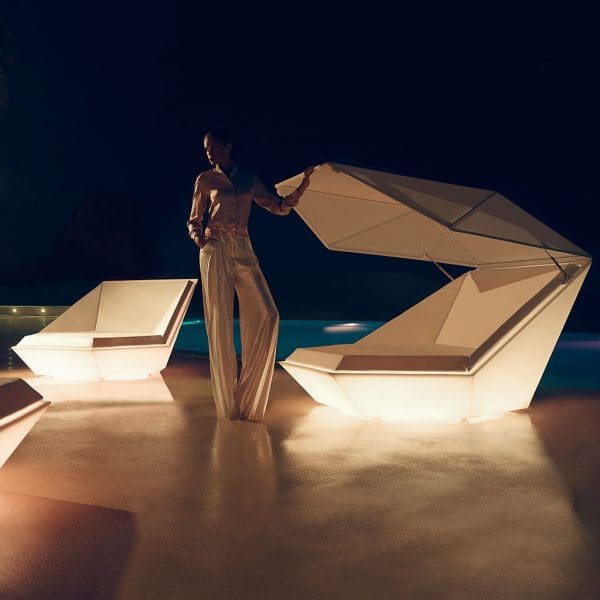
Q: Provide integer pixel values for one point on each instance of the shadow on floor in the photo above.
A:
(567, 425)
(57, 549)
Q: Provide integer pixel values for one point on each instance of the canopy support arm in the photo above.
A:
(557, 264)
(440, 268)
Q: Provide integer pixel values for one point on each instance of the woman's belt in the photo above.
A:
(225, 230)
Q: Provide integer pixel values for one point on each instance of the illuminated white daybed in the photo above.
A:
(119, 330)
(477, 347)
(20, 408)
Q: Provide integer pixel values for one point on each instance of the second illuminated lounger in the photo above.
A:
(119, 330)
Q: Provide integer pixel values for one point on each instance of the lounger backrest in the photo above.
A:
(420, 324)
(471, 310)
(141, 306)
(487, 299)
(81, 316)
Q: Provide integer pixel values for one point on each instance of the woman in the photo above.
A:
(228, 263)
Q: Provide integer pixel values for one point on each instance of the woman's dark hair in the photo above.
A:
(220, 133)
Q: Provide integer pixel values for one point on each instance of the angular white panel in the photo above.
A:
(135, 324)
(462, 225)
(508, 379)
(323, 387)
(20, 409)
(503, 372)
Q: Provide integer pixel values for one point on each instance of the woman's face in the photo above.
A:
(217, 152)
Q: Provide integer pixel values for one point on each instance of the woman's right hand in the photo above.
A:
(306, 180)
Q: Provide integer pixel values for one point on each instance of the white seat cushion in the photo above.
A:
(357, 357)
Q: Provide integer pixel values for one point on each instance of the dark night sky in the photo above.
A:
(101, 140)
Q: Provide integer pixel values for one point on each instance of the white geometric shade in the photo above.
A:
(351, 209)
(119, 330)
(20, 409)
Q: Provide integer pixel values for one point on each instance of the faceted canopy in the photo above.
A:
(352, 209)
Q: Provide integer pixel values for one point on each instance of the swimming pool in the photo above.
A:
(573, 365)
(18, 321)
(293, 333)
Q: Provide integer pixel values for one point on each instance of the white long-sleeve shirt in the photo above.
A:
(228, 200)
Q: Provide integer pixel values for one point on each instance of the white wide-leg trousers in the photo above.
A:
(228, 263)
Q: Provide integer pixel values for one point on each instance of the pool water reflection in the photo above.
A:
(573, 365)
(292, 334)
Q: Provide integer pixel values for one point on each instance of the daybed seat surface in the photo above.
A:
(354, 357)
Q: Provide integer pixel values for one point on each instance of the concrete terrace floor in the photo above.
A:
(136, 491)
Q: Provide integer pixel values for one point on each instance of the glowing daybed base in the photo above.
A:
(444, 369)
(20, 408)
(479, 346)
(119, 330)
